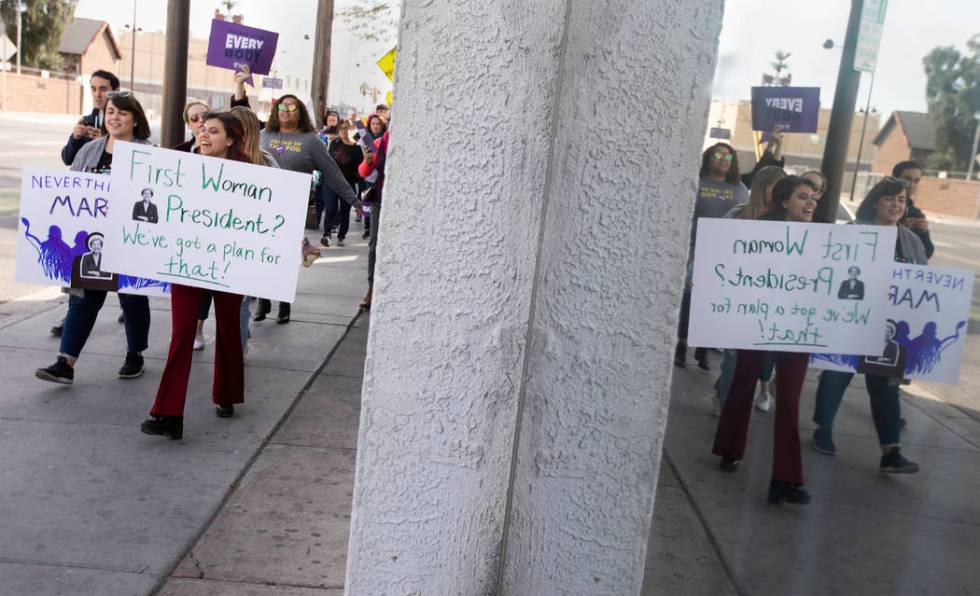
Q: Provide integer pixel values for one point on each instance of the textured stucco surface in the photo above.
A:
(605, 312)
(474, 92)
(466, 274)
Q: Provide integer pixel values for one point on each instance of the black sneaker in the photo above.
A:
(892, 462)
(823, 441)
(325, 240)
(59, 372)
(728, 464)
(133, 367)
(680, 356)
(58, 329)
(224, 411)
(121, 318)
(701, 355)
(784, 492)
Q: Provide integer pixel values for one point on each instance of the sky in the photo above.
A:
(352, 60)
(753, 30)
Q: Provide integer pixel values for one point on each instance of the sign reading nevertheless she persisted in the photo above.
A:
(790, 287)
(220, 224)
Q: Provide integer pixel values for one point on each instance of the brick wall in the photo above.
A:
(893, 149)
(949, 197)
(100, 55)
(31, 93)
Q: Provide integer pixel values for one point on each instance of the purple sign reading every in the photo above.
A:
(233, 46)
(794, 109)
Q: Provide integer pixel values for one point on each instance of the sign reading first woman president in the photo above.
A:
(205, 222)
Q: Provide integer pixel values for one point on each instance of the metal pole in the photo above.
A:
(841, 118)
(321, 58)
(976, 146)
(20, 19)
(864, 127)
(175, 72)
(132, 53)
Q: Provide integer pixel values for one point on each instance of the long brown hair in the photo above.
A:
(125, 102)
(235, 132)
(733, 175)
(250, 128)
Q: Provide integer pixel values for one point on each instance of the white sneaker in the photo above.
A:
(763, 402)
(199, 341)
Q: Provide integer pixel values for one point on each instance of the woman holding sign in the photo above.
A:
(291, 139)
(793, 199)
(885, 205)
(221, 137)
(124, 121)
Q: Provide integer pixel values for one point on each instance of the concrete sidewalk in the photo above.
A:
(88, 504)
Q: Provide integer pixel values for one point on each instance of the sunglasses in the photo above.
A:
(195, 118)
(719, 156)
(899, 181)
(284, 108)
(119, 94)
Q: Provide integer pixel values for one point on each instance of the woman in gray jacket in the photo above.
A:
(885, 205)
(125, 121)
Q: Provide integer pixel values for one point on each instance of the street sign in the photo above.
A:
(721, 133)
(7, 48)
(272, 83)
(869, 35)
(387, 63)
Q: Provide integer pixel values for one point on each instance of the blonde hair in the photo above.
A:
(823, 179)
(762, 180)
(250, 141)
(191, 104)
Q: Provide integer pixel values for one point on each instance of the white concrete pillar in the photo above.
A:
(542, 175)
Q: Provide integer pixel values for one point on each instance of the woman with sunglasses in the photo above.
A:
(124, 121)
(719, 191)
(290, 138)
(222, 138)
(885, 205)
(194, 121)
(793, 200)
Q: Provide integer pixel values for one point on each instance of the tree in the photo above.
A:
(42, 25)
(953, 96)
(779, 66)
(371, 20)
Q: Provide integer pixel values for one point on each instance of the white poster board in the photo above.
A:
(929, 309)
(61, 213)
(782, 286)
(219, 224)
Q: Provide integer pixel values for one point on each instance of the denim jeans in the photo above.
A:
(84, 310)
(336, 211)
(882, 391)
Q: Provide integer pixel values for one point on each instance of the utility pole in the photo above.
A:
(20, 25)
(132, 53)
(976, 142)
(321, 58)
(175, 72)
(841, 118)
(864, 128)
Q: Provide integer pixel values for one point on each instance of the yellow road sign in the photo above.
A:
(387, 64)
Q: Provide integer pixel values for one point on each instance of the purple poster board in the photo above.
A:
(232, 46)
(795, 109)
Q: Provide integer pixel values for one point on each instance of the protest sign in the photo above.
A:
(61, 234)
(794, 109)
(235, 46)
(790, 287)
(223, 225)
(928, 309)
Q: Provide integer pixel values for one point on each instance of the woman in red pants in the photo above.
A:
(222, 137)
(793, 199)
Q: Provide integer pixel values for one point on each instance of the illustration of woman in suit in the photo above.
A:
(852, 288)
(91, 265)
(146, 210)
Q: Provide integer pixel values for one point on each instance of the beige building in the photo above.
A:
(802, 151)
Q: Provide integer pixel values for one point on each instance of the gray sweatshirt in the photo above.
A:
(304, 152)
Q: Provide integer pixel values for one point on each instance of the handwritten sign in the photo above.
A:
(61, 234)
(222, 225)
(794, 109)
(928, 309)
(234, 46)
(790, 287)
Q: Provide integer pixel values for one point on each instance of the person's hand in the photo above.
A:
(79, 130)
(240, 77)
(917, 223)
(93, 132)
(368, 157)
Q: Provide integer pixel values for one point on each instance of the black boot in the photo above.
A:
(701, 355)
(265, 307)
(784, 492)
(166, 426)
(283, 317)
(680, 356)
